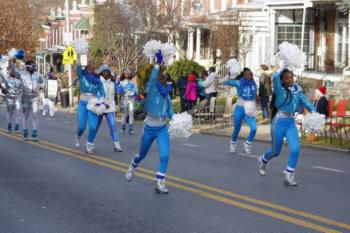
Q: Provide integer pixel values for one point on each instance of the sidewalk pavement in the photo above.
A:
(262, 135)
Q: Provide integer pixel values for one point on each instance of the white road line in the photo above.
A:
(190, 145)
(67, 122)
(328, 169)
(245, 155)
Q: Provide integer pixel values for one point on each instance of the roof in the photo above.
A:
(82, 24)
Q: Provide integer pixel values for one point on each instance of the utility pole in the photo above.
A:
(68, 41)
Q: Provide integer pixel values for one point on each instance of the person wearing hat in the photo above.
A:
(191, 91)
(90, 87)
(109, 87)
(321, 102)
(32, 82)
(128, 91)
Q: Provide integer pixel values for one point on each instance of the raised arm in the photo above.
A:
(276, 79)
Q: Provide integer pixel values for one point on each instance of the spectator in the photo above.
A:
(211, 84)
(265, 89)
(321, 102)
(181, 86)
(200, 88)
(191, 91)
(171, 82)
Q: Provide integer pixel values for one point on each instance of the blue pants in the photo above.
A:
(280, 128)
(163, 142)
(84, 116)
(110, 117)
(238, 117)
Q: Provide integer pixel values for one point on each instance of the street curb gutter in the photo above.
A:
(307, 146)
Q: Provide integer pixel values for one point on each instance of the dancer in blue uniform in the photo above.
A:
(159, 108)
(245, 108)
(110, 87)
(90, 86)
(288, 99)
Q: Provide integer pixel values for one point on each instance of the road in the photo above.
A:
(49, 186)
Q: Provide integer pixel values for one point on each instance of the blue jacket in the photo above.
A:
(88, 87)
(156, 104)
(296, 100)
(248, 92)
(127, 87)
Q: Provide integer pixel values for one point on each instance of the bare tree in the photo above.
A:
(122, 28)
(226, 39)
(245, 46)
(16, 27)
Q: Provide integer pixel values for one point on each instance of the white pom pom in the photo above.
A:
(314, 122)
(151, 48)
(12, 52)
(181, 127)
(167, 51)
(81, 46)
(96, 106)
(292, 55)
(233, 66)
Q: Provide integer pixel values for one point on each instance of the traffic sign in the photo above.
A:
(69, 56)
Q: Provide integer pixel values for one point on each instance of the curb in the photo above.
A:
(303, 145)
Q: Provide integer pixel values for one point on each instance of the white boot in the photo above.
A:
(247, 148)
(262, 166)
(77, 141)
(89, 148)
(233, 147)
(117, 147)
(289, 178)
(129, 175)
(160, 186)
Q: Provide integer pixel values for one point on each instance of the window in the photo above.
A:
(292, 33)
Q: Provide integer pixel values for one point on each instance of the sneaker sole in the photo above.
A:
(160, 192)
(289, 184)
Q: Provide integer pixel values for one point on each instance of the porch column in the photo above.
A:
(223, 5)
(198, 44)
(272, 32)
(234, 3)
(212, 6)
(177, 45)
(343, 47)
(190, 44)
(322, 44)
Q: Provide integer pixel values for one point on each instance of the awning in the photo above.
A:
(334, 77)
(82, 24)
(288, 4)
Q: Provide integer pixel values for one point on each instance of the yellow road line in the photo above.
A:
(217, 190)
(252, 208)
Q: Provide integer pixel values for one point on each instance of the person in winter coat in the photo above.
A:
(265, 89)
(321, 102)
(181, 87)
(191, 92)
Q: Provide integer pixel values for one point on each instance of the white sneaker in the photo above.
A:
(89, 148)
(129, 175)
(77, 141)
(233, 147)
(117, 147)
(262, 166)
(247, 148)
(160, 186)
(289, 178)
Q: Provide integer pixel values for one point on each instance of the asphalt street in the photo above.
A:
(49, 186)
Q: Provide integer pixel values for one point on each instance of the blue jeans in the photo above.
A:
(238, 116)
(264, 101)
(84, 116)
(163, 142)
(280, 128)
(110, 117)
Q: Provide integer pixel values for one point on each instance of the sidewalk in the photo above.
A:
(262, 135)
